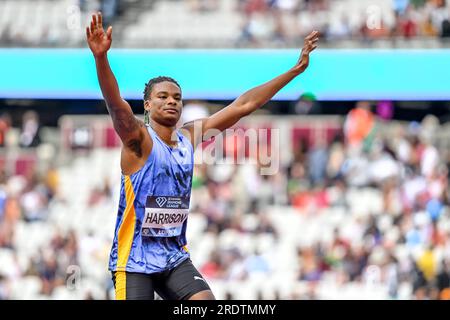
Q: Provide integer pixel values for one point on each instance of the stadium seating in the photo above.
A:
(176, 23)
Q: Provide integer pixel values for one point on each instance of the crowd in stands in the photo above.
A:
(403, 240)
(291, 19)
(390, 193)
(253, 23)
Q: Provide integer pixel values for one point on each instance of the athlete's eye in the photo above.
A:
(162, 97)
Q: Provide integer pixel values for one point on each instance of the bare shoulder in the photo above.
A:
(135, 152)
(140, 145)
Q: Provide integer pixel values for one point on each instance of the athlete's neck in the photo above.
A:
(167, 134)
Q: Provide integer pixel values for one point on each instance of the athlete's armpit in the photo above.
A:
(134, 145)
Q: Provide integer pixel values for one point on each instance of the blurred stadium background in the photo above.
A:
(359, 208)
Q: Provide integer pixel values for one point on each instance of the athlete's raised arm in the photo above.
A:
(258, 96)
(127, 126)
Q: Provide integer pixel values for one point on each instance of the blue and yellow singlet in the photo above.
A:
(150, 232)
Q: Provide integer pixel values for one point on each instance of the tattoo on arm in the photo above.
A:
(128, 128)
(124, 121)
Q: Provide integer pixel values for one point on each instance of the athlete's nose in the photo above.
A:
(171, 101)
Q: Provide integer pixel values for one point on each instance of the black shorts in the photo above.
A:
(179, 283)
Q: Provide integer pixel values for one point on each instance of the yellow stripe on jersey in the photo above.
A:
(121, 285)
(185, 248)
(126, 232)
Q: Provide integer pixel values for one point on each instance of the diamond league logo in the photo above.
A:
(161, 201)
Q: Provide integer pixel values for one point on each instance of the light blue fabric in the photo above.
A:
(167, 172)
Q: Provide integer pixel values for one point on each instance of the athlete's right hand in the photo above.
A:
(98, 40)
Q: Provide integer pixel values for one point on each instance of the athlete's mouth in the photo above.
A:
(171, 110)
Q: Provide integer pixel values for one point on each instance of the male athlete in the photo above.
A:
(149, 251)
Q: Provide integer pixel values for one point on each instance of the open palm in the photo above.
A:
(98, 40)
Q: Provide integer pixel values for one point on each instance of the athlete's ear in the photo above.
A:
(147, 105)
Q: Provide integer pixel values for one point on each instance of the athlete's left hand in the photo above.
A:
(309, 45)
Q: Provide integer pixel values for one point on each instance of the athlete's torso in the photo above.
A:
(150, 233)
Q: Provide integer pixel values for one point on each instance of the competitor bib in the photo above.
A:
(164, 216)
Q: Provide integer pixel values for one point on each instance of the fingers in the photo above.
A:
(311, 41)
(100, 20)
(314, 36)
(310, 49)
(309, 44)
(109, 33)
(92, 27)
(88, 33)
(96, 22)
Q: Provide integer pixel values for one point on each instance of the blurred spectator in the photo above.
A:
(400, 6)
(372, 219)
(51, 181)
(256, 264)
(193, 110)
(6, 235)
(82, 4)
(279, 35)
(306, 104)
(445, 33)
(359, 124)
(212, 269)
(6, 37)
(406, 25)
(29, 135)
(5, 125)
(336, 158)
(203, 5)
(427, 264)
(428, 29)
(34, 200)
(385, 110)
(429, 160)
(317, 163)
(443, 278)
(445, 29)
(3, 288)
(101, 195)
(250, 7)
(339, 29)
(109, 9)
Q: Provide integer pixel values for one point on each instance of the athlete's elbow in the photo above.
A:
(248, 108)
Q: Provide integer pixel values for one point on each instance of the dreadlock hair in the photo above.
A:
(148, 90)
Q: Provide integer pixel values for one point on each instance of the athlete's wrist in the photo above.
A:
(102, 55)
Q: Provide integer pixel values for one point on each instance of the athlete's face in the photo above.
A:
(165, 104)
